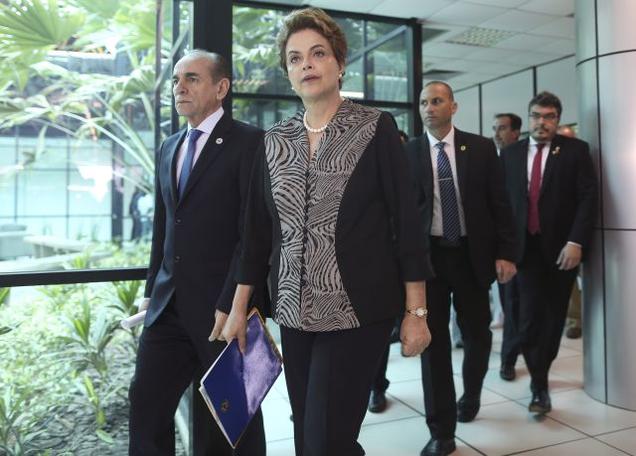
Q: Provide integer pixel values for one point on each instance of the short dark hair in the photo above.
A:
(515, 120)
(448, 87)
(546, 100)
(219, 66)
(317, 20)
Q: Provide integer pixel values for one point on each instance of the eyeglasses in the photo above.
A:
(549, 116)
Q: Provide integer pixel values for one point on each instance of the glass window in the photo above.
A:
(82, 114)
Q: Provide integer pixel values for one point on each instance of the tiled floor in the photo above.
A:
(577, 426)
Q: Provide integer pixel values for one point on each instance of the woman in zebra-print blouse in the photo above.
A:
(332, 216)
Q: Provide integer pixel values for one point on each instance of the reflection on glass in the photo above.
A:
(78, 128)
(264, 113)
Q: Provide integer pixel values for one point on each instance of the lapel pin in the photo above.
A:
(219, 140)
(462, 147)
(556, 150)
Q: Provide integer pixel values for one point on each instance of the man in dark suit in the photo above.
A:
(552, 188)
(462, 199)
(201, 184)
(507, 128)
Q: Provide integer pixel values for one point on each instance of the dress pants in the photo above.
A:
(544, 297)
(453, 274)
(511, 344)
(329, 377)
(170, 357)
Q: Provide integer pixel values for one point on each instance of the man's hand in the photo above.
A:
(570, 257)
(145, 303)
(506, 270)
(414, 335)
(219, 322)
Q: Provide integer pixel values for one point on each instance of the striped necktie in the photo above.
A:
(448, 198)
(193, 135)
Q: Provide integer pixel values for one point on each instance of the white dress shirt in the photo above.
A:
(207, 126)
(437, 227)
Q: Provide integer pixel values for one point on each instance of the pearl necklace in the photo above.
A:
(313, 130)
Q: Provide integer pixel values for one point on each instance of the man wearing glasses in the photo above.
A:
(552, 188)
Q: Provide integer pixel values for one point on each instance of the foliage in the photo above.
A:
(88, 336)
(17, 427)
(4, 295)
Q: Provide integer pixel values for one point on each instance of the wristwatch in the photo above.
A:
(420, 312)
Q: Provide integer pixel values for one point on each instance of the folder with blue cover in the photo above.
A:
(236, 383)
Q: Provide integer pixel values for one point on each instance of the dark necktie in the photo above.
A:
(534, 192)
(193, 135)
(448, 198)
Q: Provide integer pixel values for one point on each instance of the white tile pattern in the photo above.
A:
(577, 426)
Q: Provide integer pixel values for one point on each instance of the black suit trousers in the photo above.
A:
(544, 296)
(453, 275)
(511, 344)
(329, 377)
(168, 360)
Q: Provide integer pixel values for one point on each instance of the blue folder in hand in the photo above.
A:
(236, 383)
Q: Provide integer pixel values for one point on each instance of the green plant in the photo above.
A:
(4, 295)
(59, 295)
(126, 293)
(89, 335)
(17, 427)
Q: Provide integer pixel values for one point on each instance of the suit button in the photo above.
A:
(177, 258)
(177, 221)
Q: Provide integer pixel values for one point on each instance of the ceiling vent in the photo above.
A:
(481, 37)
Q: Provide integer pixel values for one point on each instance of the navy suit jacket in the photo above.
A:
(568, 197)
(487, 212)
(195, 242)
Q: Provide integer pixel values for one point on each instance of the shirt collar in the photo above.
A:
(208, 124)
(449, 139)
(533, 143)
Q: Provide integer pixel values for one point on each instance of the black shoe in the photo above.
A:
(507, 372)
(467, 409)
(377, 402)
(540, 402)
(438, 447)
(573, 332)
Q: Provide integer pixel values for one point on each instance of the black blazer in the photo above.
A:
(487, 213)
(567, 202)
(378, 237)
(195, 241)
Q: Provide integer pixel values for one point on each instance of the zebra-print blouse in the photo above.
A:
(305, 205)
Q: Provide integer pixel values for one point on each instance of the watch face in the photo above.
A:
(420, 312)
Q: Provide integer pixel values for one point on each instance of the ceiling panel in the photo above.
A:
(410, 8)
(530, 58)
(524, 41)
(562, 28)
(355, 6)
(560, 46)
(502, 3)
(446, 50)
(463, 13)
(558, 8)
(518, 21)
(491, 54)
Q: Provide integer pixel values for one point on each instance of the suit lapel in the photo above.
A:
(211, 150)
(523, 164)
(427, 165)
(461, 161)
(551, 163)
(172, 163)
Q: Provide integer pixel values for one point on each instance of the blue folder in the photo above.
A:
(236, 384)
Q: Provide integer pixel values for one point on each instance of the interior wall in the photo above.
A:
(512, 94)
